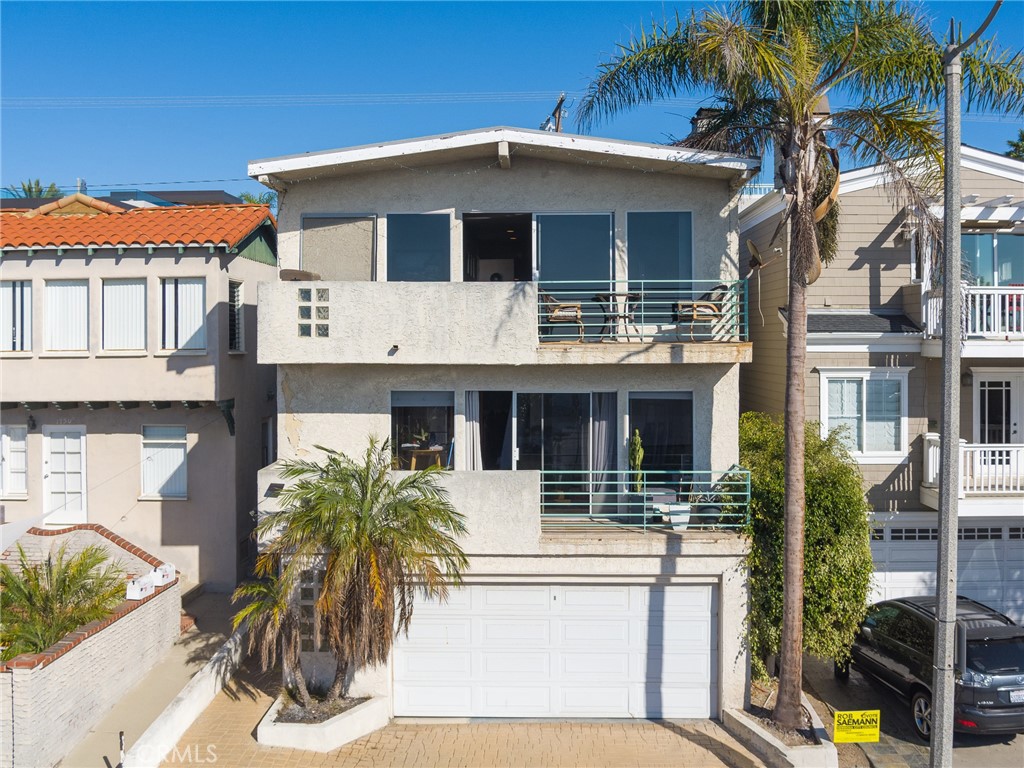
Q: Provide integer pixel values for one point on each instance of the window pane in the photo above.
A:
(665, 421)
(844, 410)
(659, 246)
(419, 247)
(339, 248)
(1010, 259)
(67, 315)
(422, 427)
(884, 406)
(15, 315)
(13, 458)
(124, 314)
(164, 461)
(978, 263)
(184, 313)
(574, 246)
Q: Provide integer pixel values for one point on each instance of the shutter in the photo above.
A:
(191, 313)
(67, 315)
(163, 462)
(124, 314)
(15, 315)
(15, 461)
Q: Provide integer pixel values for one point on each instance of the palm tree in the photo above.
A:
(264, 198)
(40, 602)
(771, 68)
(1016, 146)
(33, 188)
(378, 538)
(270, 609)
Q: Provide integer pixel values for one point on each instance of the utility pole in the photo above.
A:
(949, 443)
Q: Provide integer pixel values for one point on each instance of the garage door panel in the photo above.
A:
(588, 598)
(613, 666)
(676, 667)
(595, 700)
(536, 632)
(694, 600)
(673, 632)
(512, 598)
(438, 631)
(676, 701)
(594, 631)
(428, 665)
(502, 664)
(515, 700)
(429, 699)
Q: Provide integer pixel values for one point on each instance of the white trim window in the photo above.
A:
(164, 462)
(124, 314)
(67, 315)
(15, 315)
(871, 406)
(183, 316)
(13, 462)
(236, 317)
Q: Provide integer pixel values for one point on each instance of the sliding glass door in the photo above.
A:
(574, 261)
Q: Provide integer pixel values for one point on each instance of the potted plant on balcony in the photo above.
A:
(636, 460)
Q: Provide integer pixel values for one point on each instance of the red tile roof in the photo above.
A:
(220, 225)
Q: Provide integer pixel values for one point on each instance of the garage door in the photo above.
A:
(561, 651)
(990, 563)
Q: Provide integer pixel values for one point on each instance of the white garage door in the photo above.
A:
(990, 563)
(561, 651)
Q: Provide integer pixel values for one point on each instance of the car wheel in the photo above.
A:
(921, 712)
(841, 671)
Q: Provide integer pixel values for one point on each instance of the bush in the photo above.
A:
(837, 549)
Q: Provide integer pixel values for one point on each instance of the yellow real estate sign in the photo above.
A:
(856, 726)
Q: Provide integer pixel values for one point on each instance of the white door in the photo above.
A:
(64, 484)
(998, 412)
(572, 650)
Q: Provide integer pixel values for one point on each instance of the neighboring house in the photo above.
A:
(874, 365)
(130, 393)
(512, 305)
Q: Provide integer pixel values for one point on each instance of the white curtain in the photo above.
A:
(124, 314)
(184, 320)
(605, 442)
(884, 408)
(474, 457)
(67, 315)
(845, 398)
(164, 468)
(15, 315)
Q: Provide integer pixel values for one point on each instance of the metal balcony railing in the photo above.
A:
(643, 500)
(989, 312)
(986, 469)
(669, 311)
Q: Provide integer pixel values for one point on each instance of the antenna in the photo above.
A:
(755, 254)
(553, 122)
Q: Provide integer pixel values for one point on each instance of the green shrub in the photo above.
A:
(837, 549)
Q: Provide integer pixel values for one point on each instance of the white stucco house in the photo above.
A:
(514, 305)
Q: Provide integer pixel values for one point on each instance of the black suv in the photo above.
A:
(895, 644)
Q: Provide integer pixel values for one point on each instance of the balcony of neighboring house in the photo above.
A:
(992, 295)
(991, 477)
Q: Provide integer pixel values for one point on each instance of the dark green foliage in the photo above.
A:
(42, 602)
(1017, 146)
(34, 188)
(837, 554)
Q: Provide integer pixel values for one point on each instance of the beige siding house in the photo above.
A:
(512, 305)
(874, 366)
(130, 392)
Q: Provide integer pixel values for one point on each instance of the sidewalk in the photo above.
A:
(144, 703)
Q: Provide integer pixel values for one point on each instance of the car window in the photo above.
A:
(881, 617)
(995, 657)
(913, 632)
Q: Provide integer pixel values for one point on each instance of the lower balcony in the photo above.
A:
(991, 476)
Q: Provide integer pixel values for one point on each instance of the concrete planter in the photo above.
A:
(775, 754)
(327, 736)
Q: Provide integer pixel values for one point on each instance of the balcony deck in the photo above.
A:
(990, 474)
(993, 321)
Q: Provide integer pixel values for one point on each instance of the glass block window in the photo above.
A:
(312, 633)
(308, 309)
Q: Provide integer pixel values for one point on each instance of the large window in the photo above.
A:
(67, 315)
(13, 463)
(124, 314)
(665, 422)
(870, 406)
(339, 247)
(422, 428)
(164, 462)
(660, 247)
(183, 319)
(993, 258)
(15, 315)
(419, 247)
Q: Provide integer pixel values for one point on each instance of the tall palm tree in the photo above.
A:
(34, 188)
(40, 602)
(378, 539)
(270, 609)
(770, 67)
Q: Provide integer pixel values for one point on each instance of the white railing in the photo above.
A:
(985, 468)
(988, 312)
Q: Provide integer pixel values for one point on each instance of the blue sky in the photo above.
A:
(496, 63)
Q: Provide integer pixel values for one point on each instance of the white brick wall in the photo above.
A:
(45, 711)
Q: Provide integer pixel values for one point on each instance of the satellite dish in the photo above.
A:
(755, 253)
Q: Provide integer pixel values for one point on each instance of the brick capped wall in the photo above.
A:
(50, 700)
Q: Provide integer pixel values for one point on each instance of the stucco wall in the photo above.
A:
(53, 706)
(530, 186)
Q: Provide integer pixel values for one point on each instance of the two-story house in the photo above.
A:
(514, 305)
(874, 366)
(130, 395)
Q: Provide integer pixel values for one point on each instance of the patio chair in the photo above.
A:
(707, 308)
(562, 312)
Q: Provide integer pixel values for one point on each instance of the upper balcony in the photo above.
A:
(503, 323)
(991, 477)
(993, 321)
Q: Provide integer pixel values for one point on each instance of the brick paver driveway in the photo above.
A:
(224, 736)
